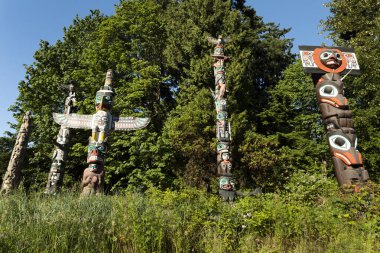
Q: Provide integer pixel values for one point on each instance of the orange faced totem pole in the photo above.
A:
(326, 65)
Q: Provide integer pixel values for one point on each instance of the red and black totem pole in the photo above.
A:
(326, 65)
(223, 131)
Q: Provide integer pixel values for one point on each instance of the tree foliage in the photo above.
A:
(163, 69)
(289, 137)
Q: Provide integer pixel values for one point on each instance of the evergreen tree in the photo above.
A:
(290, 135)
(259, 54)
(163, 69)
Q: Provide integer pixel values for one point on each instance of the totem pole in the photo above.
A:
(101, 123)
(325, 65)
(55, 178)
(12, 176)
(223, 131)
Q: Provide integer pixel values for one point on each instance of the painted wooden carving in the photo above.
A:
(55, 178)
(326, 66)
(101, 124)
(223, 129)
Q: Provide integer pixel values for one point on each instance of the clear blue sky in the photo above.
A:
(23, 23)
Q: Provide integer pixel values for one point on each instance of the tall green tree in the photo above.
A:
(130, 42)
(356, 24)
(290, 135)
(259, 54)
(163, 69)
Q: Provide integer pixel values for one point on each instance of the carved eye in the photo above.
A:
(221, 146)
(328, 91)
(221, 116)
(223, 181)
(338, 56)
(339, 142)
(325, 55)
(225, 156)
(102, 149)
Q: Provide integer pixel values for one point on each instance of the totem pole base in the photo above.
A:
(349, 178)
(92, 183)
(227, 195)
(55, 180)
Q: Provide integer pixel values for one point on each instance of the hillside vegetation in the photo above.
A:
(155, 177)
(312, 215)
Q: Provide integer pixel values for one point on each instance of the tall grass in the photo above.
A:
(190, 221)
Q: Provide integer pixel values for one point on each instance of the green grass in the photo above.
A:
(191, 221)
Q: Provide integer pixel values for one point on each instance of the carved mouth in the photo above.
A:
(331, 62)
(94, 158)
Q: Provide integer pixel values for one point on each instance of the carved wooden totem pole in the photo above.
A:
(101, 123)
(12, 176)
(326, 65)
(223, 131)
(55, 177)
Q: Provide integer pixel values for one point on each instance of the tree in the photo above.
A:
(259, 55)
(160, 55)
(289, 136)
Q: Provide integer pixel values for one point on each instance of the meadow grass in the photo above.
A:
(189, 221)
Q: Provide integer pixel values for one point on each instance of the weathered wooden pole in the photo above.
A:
(55, 178)
(12, 176)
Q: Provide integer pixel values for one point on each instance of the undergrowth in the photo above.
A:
(295, 220)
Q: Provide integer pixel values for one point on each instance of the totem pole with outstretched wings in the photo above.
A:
(101, 123)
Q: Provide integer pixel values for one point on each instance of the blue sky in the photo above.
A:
(23, 23)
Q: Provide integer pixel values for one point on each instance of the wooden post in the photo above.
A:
(13, 174)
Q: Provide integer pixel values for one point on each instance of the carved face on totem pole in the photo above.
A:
(330, 60)
(344, 147)
(226, 183)
(96, 153)
(322, 60)
(56, 166)
(104, 99)
(104, 96)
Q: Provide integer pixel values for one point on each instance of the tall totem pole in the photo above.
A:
(13, 174)
(223, 131)
(101, 123)
(55, 178)
(325, 65)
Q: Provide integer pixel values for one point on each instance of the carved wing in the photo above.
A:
(226, 39)
(129, 123)
(73, 120)
(212, 40)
